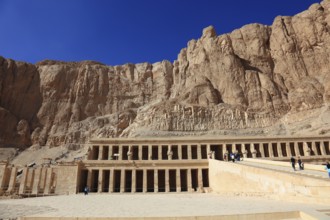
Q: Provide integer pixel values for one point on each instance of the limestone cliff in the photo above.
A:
(269, 80)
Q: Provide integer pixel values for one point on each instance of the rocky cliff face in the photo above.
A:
(270, 80)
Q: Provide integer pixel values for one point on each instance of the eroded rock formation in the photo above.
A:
(255, 77)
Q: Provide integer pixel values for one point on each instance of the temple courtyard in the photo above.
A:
(112, 206)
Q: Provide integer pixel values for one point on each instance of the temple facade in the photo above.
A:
(151, 165)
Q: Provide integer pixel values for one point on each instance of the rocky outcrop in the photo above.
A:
(253, 80)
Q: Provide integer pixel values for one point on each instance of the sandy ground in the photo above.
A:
(146, 205)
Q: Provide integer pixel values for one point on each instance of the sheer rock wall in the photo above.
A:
(254, 77)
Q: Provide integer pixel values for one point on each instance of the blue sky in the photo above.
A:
(116, 32)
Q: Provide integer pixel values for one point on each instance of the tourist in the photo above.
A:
(232, 156)
(86, 190)
(327, 167)
(293, 163)
(300, 163)
(225, 157)
(238, 157)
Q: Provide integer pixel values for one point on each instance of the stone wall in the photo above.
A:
(239, 179)
(67, 178)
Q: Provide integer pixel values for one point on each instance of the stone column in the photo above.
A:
(110, 152)
(270, 149)
(189, 152)
(167, 180)
(262, 150)
(100, 152)
(322, 148)
(160, 152)
(36, 181)
(130, 153)
(23, 180)
(244, 151)
(140, 147)
(111, 180)
(224, 152)
(208, 151)
(314, 148)
(155, 180)
(169, 152)
(199, 151)
(133, 180)
(122, 181)
(200, 180)
(296, 149)
(189, 185)
(100, 181)
(120, 152)
(178, 181)
(144, 184)
(43, 179)
(149, 152)
(288, 149)
(180, 151)
(279, 149)
(307, 150)
(253, 151)
(12, 181)
(89, 179)
(233, 148)
(48, 182)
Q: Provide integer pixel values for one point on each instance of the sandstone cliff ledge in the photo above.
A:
(256, 80)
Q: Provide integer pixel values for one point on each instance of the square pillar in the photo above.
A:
(244, 151)
(314, 148)
(234, 148)
(189, 184)
(307, 150)
(36, 181)
(288, 149)
(89, 179)
(224, 152)
(296, 149)
(149, 152)
(159, 152)
(253, 151)
(322, 148)
(48, 181)
(200, 180)
(169, 152)
(12, 181)
(110, 152)
(130, 152)
(140, 151)
(262, 150)
(100, 152)
(279, 149)
(271, 150)
(111, 180)
(100, 181)
(23, 180)
(179, 151)
(155, 180)
(199, 151)
(122, 181)
(167, 180)
(208, 150)
(133, 186)
(120, 152)
(189, 152)
(178, 181)
(144, 184)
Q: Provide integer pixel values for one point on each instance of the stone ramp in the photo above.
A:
(270, 178)
(318, 171)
